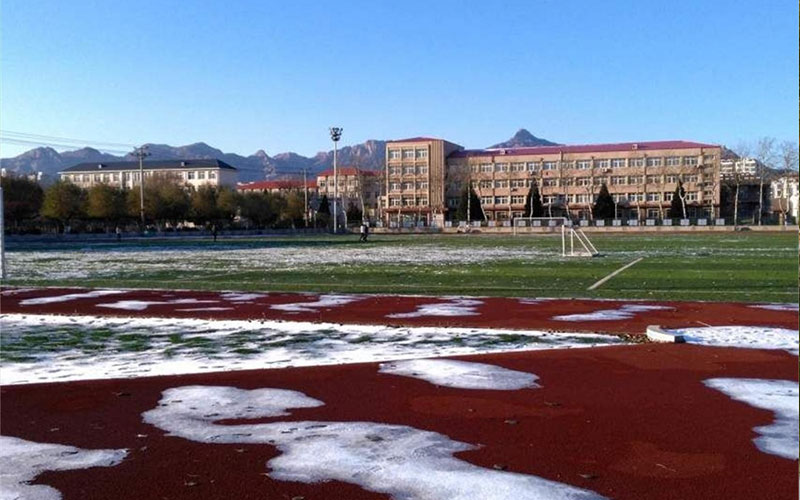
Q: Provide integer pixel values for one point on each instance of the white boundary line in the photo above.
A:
(626, 266)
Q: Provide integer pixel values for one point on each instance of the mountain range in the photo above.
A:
(368, 155)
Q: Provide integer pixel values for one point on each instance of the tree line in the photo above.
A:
(167, 205)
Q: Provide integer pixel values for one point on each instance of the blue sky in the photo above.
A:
(248, 75)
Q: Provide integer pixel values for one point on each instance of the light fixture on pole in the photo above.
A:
(141, 153)
(336, 134)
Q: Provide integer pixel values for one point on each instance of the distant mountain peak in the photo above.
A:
(523, 139)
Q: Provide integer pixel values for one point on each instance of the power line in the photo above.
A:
(52, 138)
(23, 142)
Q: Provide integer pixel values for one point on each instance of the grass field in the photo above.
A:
(731, 266)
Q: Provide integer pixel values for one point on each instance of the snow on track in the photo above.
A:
(401, 461)
(23, 460)
(70, 296)
(456, 307)
(461, 374)
(750, 337)
(778, 307)
(43, 348)
(779, 396)
(627, 311)
(322, 302)
(141, 305)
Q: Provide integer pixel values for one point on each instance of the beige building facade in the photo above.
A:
(359, 186)
(125, 174)
(641, 177)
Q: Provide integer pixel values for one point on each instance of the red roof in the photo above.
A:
(267, 185)
(416, 139)
(584, 148)
(347, 171)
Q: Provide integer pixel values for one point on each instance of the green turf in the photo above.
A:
(745, 266)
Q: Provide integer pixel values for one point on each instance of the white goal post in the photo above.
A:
(585, 248)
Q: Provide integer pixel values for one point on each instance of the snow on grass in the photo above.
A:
(778, 396)
(67, 297)
(23, 460)
(751, 337)
(461, 374)
(627, 311)
(456, 307)
(399, 461)
(141, 305)
(323, 302)
(43, 348)
(778, 307)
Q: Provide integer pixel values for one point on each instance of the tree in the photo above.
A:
(228, 203)
(22, 198)
(204, 204)
(788, 155)
(294, 209)
(256, 208)
(678, 207)
(765, 157)
(533, 202)
(63, 201)
(324, 206)
(105, 203)
(354, 213)
(469, 201)
(604, 204)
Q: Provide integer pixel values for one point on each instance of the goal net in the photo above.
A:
(574, 242)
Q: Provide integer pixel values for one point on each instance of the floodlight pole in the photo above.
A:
(2, 238)
(141, 153)
(336, 134)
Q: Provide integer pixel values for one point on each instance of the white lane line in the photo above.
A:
(626, 266)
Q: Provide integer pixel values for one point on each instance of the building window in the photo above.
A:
(422, 153)
(212, 175)
(452, 202)
(518, 183)
(636, 162)
(599, 180)
(549, 165)
(635, 179)
(549, 182)
(486, 200)
(501, 167)
(691, 196)
(653, 179)
(708, 158)
(422, 170)
(583, 181)
(568, 181)
(422, 201)
(672, 179)
(190, 175)
(201, 175)
(474, 168)
(394, 154)
(501, 200)
(409, 170)
(584, 164)
(394, 186)
(652, 213)
(408, 202)
(617, 162)
(532, 166)
(486, 168)
(691, 178)
(517, 200)
(603, 163)
(690, 160)
(673, 161)
(653, 196)
(408, 186)
(583, 198)
(618, 180)
(486, 184)
(394, 170)
(394, 202)
(422, 185)
(501, 184)
(408, 154)
(654, 162)
(517, 167)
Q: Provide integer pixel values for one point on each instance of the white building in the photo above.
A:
(125, 174)
(745, 166)
(786, 195)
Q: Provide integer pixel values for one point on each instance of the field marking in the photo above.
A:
(626, 266)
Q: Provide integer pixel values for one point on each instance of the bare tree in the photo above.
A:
(765, 156)
(788, 155)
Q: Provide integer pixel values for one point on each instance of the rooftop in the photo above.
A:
(584, 148)
(348, 171)
(148, 165)
(416, 139)
(278, 184)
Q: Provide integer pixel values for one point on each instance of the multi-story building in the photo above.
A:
(125, 174)
(416, 173)
(784, 192)
(356, 186)
(642, 177)
(278, 187)
(747, 167)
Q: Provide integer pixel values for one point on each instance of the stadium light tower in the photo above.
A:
(141, 153)
(336, 134)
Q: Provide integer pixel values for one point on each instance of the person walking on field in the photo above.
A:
(364, 231)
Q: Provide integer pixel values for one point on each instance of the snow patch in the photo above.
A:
(461, 374)
(203, 309)
(779, 396)
(322, 302)
(457, 307)
(24, 460)
(141, 305)
(70, 296)
(242, 297)
(778, 307)
(750, 337)
(400, 461)
(627, 311)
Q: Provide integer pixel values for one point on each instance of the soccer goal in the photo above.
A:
(584, 247)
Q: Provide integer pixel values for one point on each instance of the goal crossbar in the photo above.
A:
(584, 248)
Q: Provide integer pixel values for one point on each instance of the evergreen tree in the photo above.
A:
(353, 212)
(604, 204)
(474, 205)
(324, 206)
(22, 198)
(676, 208)
(533, 202)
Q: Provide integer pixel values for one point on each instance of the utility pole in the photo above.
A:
(305, 196)
(141, 153)
(336, 134)
(2, 238)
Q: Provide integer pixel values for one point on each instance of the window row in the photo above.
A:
(587, 164)
(407, 201)
(408, 154)
(408, 170)
(407, 186)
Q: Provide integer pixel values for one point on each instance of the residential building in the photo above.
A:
(359, 186)
(642, 177)
(278, 187)
(784, 192)
(125, 174)
(748, 167)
